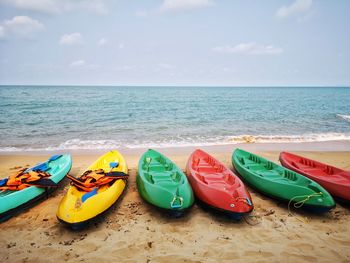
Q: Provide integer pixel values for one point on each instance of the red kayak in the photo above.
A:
(216, 186)
(336, 181)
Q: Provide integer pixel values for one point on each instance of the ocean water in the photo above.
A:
(68, 118)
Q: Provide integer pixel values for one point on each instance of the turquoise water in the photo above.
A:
(50, 117)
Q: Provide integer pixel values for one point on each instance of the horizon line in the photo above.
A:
(185, 86)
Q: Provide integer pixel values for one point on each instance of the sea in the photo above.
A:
(40, 118)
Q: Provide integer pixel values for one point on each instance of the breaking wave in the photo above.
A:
(343, 117)
(78, 144)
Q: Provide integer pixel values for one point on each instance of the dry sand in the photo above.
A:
(133, 231)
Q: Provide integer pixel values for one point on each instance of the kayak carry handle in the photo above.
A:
(177, 205)
(248, 201)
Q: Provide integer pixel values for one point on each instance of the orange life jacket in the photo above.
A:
(92, 179)
(22, 179)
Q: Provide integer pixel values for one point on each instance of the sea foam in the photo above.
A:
(78, 144)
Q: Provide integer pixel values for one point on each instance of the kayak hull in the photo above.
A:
(13, 202)
(280, 183)
(76, 211)
(216, 186)
(336, 181)
(162, 184)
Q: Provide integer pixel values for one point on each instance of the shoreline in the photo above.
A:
(317, 146)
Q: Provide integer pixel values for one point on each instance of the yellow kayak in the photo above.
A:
(85, 201)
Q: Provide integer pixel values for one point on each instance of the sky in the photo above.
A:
(175, 42)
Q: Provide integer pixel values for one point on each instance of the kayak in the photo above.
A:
(161, 183)
(281, 183)
(15, 201)
(216, 186)
(85, 201)
(336, 181)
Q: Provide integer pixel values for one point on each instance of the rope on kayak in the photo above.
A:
(252, 220)
(300, 203)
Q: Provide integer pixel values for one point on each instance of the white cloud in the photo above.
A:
(249, 49)
(58, 6)
(78, 63)
(82, 64)
(72, 39)
(298, 6)
(102, 42)
(20, 26)
(174, 5)
(2, 32)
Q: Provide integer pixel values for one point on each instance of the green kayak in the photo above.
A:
(161, 183)
(281, 183)
(14, 201)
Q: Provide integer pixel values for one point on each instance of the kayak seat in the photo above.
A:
(312, 169)
(250, 166)
(157, 167)
(256, 167)
(308, 168)
(218, 185)
(205, 169)
(301, 166)
(204, 162)
(169, 177)
(214, 179)
(269, 174)
(247, 161)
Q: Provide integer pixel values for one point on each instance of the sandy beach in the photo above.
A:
(133, 231)
(83, 78)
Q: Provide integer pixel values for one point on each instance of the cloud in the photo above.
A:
(298, 6)
(102, 42)
(83, 65)
(73, 39)
(2, 32)
(249, 49)
(58, 6)
(78, 63)
(20, 27)
(175, 5)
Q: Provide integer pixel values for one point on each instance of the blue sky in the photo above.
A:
(175, 42)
